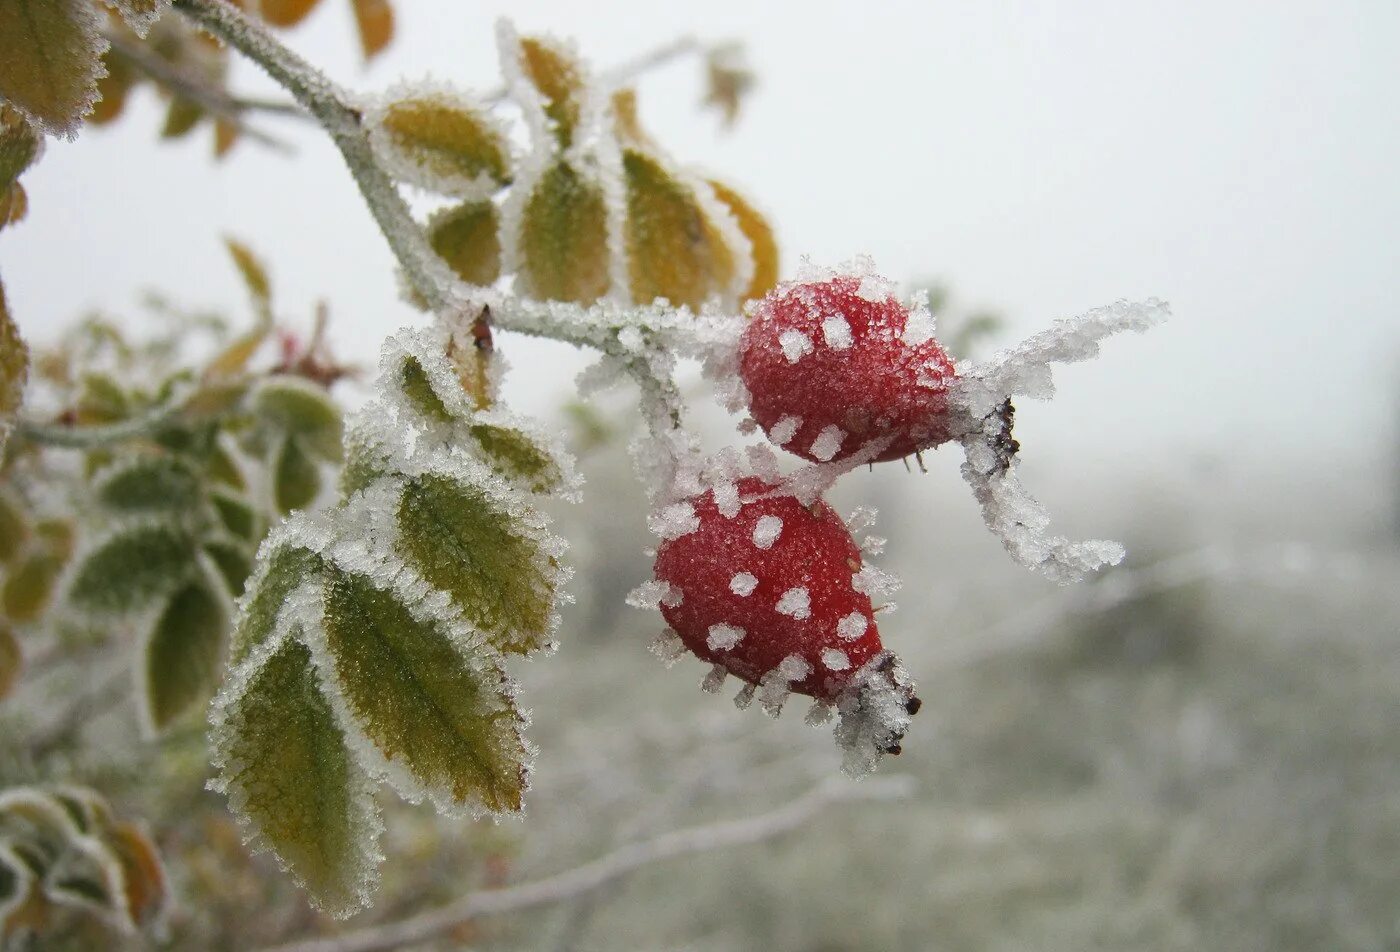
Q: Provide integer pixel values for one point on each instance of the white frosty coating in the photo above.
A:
(852, 626)
(834, 659)
(727, 500)
(873, 544)
(764, 462)
(828, 442)
(795, 603)
(743, 584)
(425, 170)
(818, 714)
(918, 327)
(652, 593)
(873, 713)
(714, 680)
(795, 345)
(837, 332)
(861, 517)
(674, 521)
(745, 697)
(775, 686)
(766, 531)
(874, 582)
(723, 637)
(784, 430)
(667, 646)
(874, 288)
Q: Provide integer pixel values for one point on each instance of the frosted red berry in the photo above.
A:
(831, 365)
(772, 581)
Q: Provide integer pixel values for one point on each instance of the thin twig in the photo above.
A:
(91, 437)
(188, 86)
(620, 862)
(335, 110)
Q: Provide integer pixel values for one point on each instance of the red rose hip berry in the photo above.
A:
(832, 365)
(775, 593)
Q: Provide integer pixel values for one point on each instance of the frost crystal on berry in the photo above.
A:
(795, 344)
(743, 583)
(796, 602)
(723, 637)
(834, 659)
(852, 626)
(766, 531)
(828, 443)
(836, 332)
(784, 430)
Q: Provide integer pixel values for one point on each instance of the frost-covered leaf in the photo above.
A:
(113, 89)
(467, 544)
(183, 653)
(465, 236)
(29, 587)
(292, 779)
(50, 59)
(298, 407)
(132, 568)
(286, 13)
(14, 369)
(564, 238)
(445, 715)
(149, 483)
(674, 250)
(145, 887)
(761, 239)
(20, 146)
(296, 478)
(232, 560)
(139, 14)
(374, 19)
(414, 382)
(440, 141)
(282, 568)
(11, 658)
(558, 78)
(517, 456)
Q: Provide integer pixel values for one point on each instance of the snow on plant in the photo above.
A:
(371, 634)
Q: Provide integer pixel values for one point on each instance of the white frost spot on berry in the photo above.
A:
(668, 647)
(834, 659)
(837, 332)
(775, 686)
(818, 714)
(874, 713)
(727, 500)
(723, 637)
(852, 626)
(918, 327)
(795, 345)
(795, 603)
(652, 593)
(714, 680)
(828, 442)
(743, 584)
(785, 429)
(874, 582)
(673, 521)
(745, 697)
(874, 288)
(766, 531)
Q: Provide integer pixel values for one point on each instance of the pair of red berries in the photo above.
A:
(771, 590)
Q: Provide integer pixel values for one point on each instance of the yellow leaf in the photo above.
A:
(558, 78)
(182, 116)
(139, 14)
(760, 235)
(254, 276)
(50, 60)
(14, 205)
(225, 135)
(112, 89)
(442, 143)
(14, 369)
(564, 238)
(143, 874)
(286, 12)
(375, 20)
(19, 145)
(10, 660)
(673, 250)
(465, 237)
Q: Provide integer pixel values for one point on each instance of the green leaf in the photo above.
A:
(363, 465)
(149, 483)
(133, 568)
(181, 117)
(296, 479)
(465, 544)
(287, 769)
(256, 280)
(418, 387)
(29, 587)
(14, 369)
(11, 660)
(446, 716)
(300, 408)
(14, 527)
(236, 513)
(465, 236)
(282, 568)
(442, 143)
(50, 59)
(564, 238)
(232, 560)
(517, 457)
(183, 653)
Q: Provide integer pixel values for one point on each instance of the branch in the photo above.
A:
(619, 863)
(336, 112)
(91, 437)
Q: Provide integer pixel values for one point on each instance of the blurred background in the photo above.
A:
(1199, 749)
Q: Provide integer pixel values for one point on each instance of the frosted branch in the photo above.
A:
(622, 861)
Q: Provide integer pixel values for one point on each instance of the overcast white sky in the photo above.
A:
(1237, 159)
